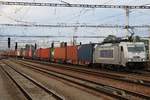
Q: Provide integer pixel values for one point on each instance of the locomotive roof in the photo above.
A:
(115, 44)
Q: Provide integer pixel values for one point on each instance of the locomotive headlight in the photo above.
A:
(143, 59)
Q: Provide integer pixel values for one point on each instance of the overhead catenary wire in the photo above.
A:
(72, 5)
(50, 36)
(62, 1)
(76, 5)
(109, 1)
(84, 11)
(14, 19)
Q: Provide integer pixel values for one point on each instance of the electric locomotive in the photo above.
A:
(123, 54)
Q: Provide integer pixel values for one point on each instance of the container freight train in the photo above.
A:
(112, 55)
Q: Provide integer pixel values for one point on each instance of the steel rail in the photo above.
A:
(106, 89)
(54, 94)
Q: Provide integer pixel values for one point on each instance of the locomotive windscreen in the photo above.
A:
(135, 48)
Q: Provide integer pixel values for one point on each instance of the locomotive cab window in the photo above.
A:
(106, 53)
(136, 48)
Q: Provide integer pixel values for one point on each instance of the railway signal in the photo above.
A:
(9, 42)
(16, 46)
(35, 46)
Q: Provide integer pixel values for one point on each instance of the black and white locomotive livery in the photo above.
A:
(123, 54)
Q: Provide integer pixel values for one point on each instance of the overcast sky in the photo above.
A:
(54, 15)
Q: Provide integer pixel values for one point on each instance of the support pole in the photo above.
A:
(127, 21)
(74, 39)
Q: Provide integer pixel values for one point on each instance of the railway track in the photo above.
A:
(109, 90)
(145, 73)
(132, 74)
(148, 70)
(30, 88)
(125, 78)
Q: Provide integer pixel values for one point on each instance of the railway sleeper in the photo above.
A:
(112, 90)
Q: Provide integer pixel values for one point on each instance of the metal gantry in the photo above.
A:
(77, 25)
(72, 5)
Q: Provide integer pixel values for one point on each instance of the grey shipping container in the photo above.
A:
(85, 52)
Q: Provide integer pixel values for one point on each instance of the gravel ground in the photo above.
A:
(35, 92)
(107, 81)
(68, 91)
(8, 90)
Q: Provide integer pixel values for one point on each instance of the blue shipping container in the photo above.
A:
(85, 52)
